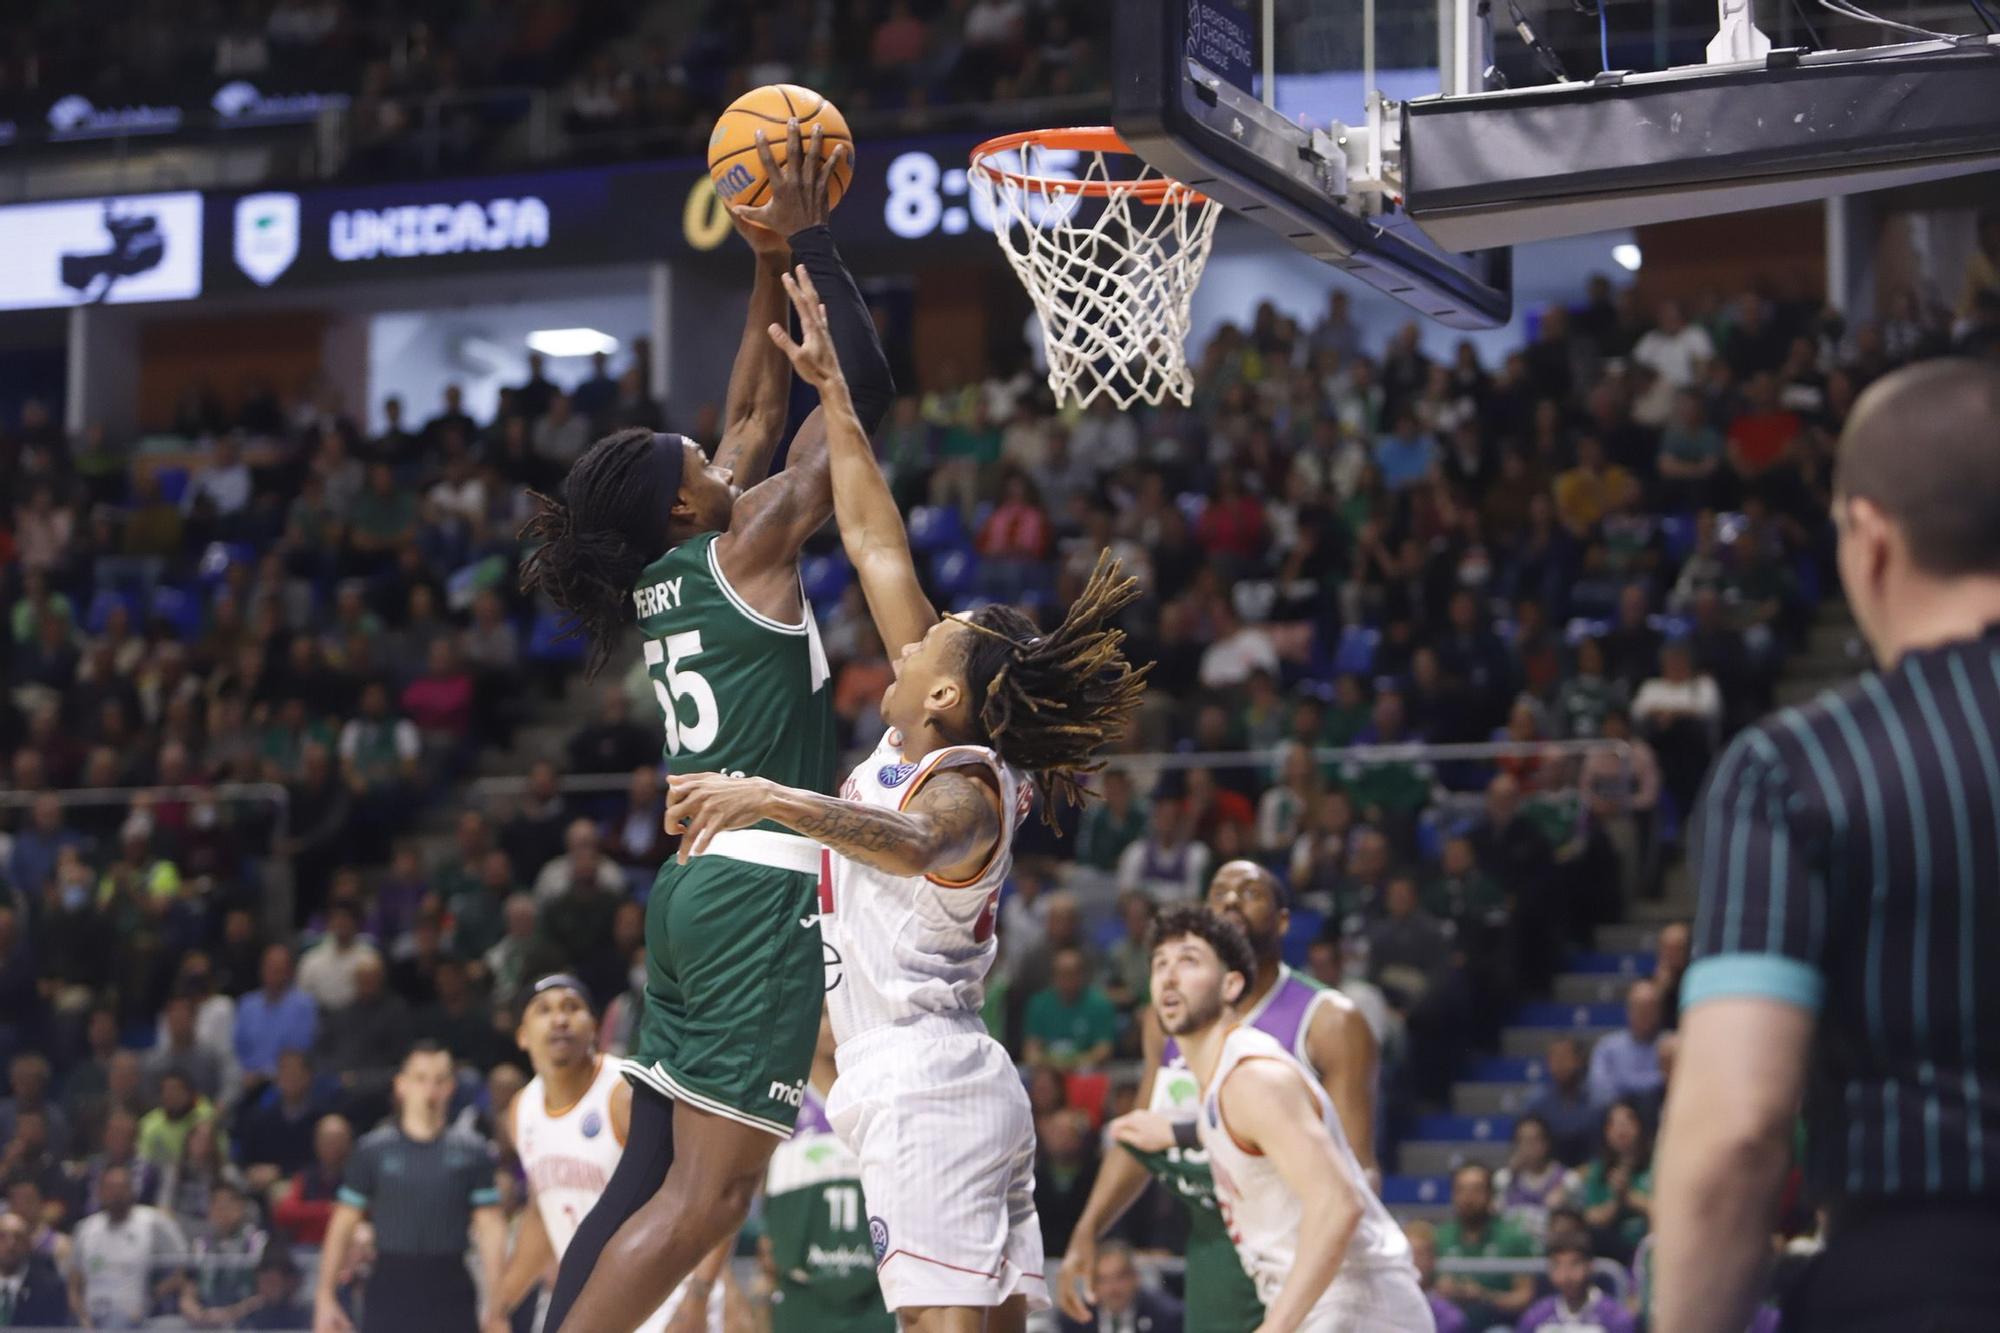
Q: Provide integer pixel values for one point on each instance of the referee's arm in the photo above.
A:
(1749, 1004)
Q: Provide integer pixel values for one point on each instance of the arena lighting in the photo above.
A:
(1627, 256)
(571, 342)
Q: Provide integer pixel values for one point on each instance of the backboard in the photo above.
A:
(1390, 142)
(1263, 106)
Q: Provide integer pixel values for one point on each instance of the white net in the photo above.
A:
(1111, 263)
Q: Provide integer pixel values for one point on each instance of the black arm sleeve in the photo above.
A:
(847, 317)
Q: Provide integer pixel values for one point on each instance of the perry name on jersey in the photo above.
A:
(739, 692)
(904, 946)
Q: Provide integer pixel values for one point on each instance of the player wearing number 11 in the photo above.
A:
(983, 709)
(704, 556)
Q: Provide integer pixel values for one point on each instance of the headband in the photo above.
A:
(560, 981)
(665, 462)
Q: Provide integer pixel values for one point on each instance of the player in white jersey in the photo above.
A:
(1273, 1141)
(983, 709)
(568, 1128)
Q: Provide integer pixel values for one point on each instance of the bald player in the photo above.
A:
(1320, 1027)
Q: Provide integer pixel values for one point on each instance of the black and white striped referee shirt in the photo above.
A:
(1849, 856)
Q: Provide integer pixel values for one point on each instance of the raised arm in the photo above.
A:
(753, 415)
(773, 519)
(948, 829)
(1267, 1106)
(871, 527)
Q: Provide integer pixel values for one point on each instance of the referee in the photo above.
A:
(1849, 855)
(423, 1185)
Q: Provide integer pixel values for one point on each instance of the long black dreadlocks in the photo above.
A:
(596, 540)
(1049, 702)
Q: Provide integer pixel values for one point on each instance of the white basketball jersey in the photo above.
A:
(568, 1157)
(1260, 1210)
(905, 946)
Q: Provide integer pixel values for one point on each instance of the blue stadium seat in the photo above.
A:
(1304, 929)
(1192, 505)
(1460, 1128)
(101, 604)
(219, 556)
(935, 528)
(1583, 628)
(1505, 1069)
(173, 483)
(1356, 653)
(826, 577)
(1419, 1191)
(954, 574)
(1556, 1014)
(181, 610)
(546, 643)
(1678, 532)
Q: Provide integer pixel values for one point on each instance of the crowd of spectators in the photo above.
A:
(1617, 532)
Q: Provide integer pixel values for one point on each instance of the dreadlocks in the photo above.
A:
(1049, 702)
(595, 541)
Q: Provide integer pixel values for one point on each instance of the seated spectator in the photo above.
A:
(26, 1155)
(577, 920)
(87, 1086)
(1617, 1189)
(1326, 963)
(440, 700)
(1127, 966)
(1406, 454)
(1632, 645)
(1621, 791)
(212, 1078)
(274, 1302)
(637, 840)
(456, 1021)
(1111, 824)
(1168, 865)
(613, 743)
(1476, 1231)
(379, 753)
(275, 1018)
(1587, 695)
(1283, 810)
(1574, 1304)
(1363, 889)
(1319, 857)
(479, 913)
(1592, 489)
(1211, 806)
(187, 1186)
(1564, 1103)
(1065, 1169)
(328, 970)
(1124, 1304)
(1626, 1063)
(1410, 956)
(1680, 714)
(1670, 964)
(28, 1079)
(1533, 1183)
(301, 1214)
(1391, 789)
(274, 1127)
(32, 1291)
(511, 963)
(1071, 1024)
(1465, 897)
(583, 861)
(164, 1130)
(1236, 650)
(1424, 1254)
(1691, 456)
(362, 1042)
(1018, 528)
(127, 1260)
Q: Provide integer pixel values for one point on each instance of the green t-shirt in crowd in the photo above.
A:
(1068, 1029)
(1502, 1239)
(1105, 835)
(1596, 1192)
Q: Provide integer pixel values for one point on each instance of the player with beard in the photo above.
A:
(568, 1127)
(1273, 1141)
(1319, 1027)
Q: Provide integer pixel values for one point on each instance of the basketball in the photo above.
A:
(732, 149)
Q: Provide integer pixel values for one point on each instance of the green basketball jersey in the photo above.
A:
(818, 1227)
(1220, 1295)
(739, 692)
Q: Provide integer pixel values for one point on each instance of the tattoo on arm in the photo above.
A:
(950, 820)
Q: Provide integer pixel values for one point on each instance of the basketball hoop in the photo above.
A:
(1110, 261)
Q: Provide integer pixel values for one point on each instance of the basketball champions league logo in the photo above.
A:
(267, 236)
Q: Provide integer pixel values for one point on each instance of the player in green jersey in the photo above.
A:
(702, 553)
(816, 1226)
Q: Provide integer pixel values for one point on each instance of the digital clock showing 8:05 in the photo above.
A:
(927, 198)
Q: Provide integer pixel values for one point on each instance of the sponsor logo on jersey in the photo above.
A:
(791, 1094)
(894, 775)
(878, 1238)
(1182, 1088)
(843, 1260)
(593, 1124)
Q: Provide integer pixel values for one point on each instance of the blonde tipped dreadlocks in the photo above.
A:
(1049, 702)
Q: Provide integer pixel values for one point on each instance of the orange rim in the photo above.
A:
(1084, 139)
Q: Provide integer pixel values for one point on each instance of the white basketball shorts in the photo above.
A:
(1387, 1299)
(941, 1123)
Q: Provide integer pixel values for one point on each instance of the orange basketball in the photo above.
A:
(732, 149)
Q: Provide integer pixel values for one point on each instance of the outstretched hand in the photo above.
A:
(813, 356)
(798, 186)
(701, 805)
